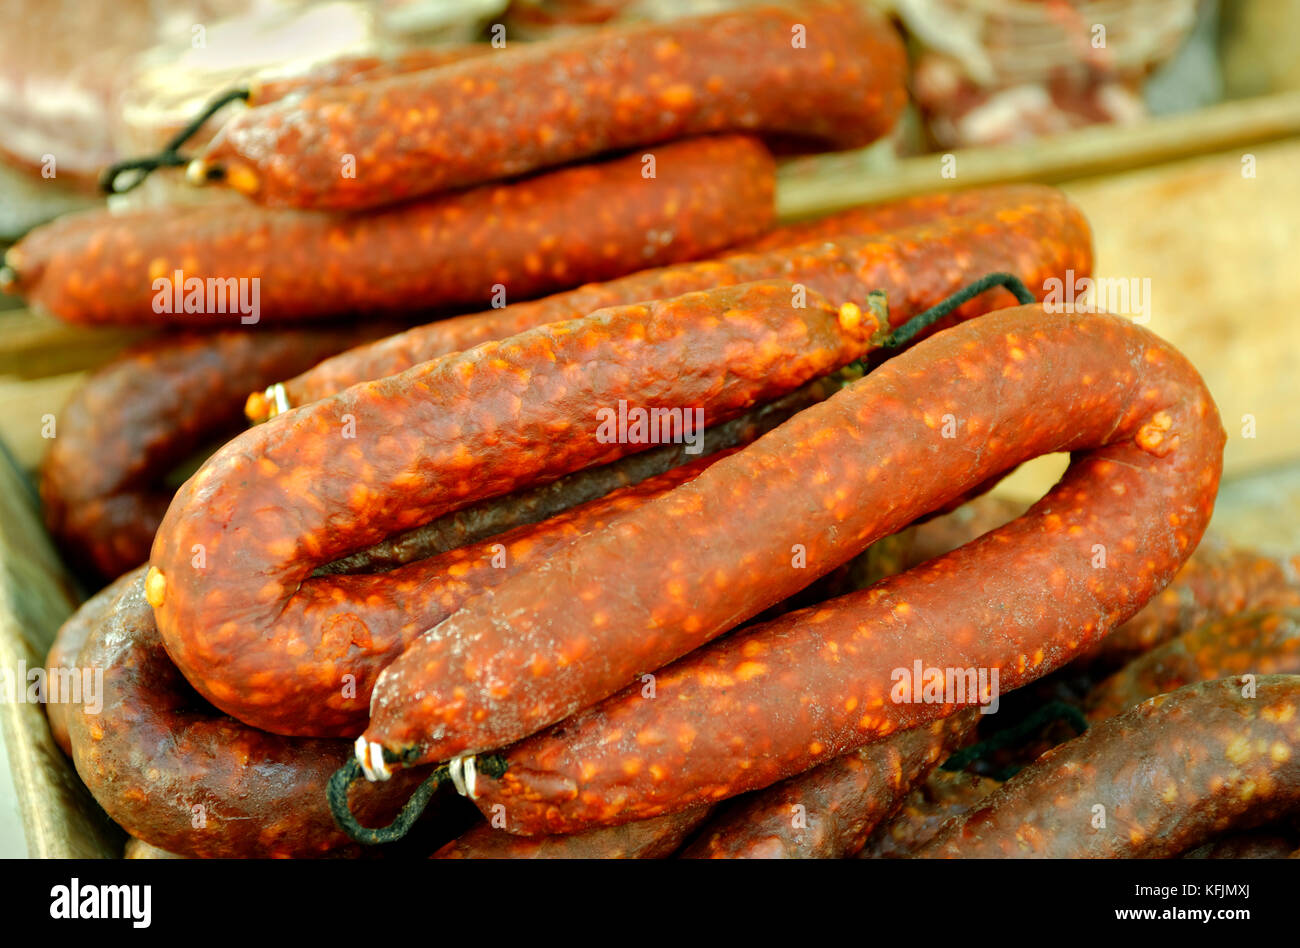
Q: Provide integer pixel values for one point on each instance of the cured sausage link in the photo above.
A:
(185, 778)
(233, 558)
(520, 238)
(1021, 600)
(828, 812)
(538, 105)
(1152, 782)
(1035, 233)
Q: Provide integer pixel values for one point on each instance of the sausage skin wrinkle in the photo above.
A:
(258, 636)
(1022, 599)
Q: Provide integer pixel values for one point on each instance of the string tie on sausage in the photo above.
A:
(921, 321)
(169, 156)
(462, 772)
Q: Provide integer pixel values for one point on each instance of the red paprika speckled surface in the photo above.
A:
(343, 473)
(779, 698)
(526, 236)
(1033, 232)
(538, 105)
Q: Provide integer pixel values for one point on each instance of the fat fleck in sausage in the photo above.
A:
(235, 551)
(163, 265)
(104, 480)
(1033, 232)
(1249, 643)
(538, 105)
(648, 839)
(828, 812)
(779, 698)
(1152, 782)
(185, 778)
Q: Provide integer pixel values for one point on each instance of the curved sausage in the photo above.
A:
(1249, 643)
(648, 839)
(333, 668)
(777, 699)
(62, 659)
(521, 238)
(104, 480)
(1152, 782)
(828, 812)
(187, 779)
(232, 559)
(1036, 234)
(538, 105)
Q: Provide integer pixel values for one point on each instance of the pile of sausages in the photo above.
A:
(427, 561)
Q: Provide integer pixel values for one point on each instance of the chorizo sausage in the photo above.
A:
(1218, 580)
(1256, 643)
(779, 698)
(62, 659)
(185, 778)
(538, 105)
(297, 492)
(1037, 235)
(648, 839)
(535, 504)
(828, 812)
(142, 267)
(334, 675)
(104, 479)
(944, 795)
(1154, 781)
